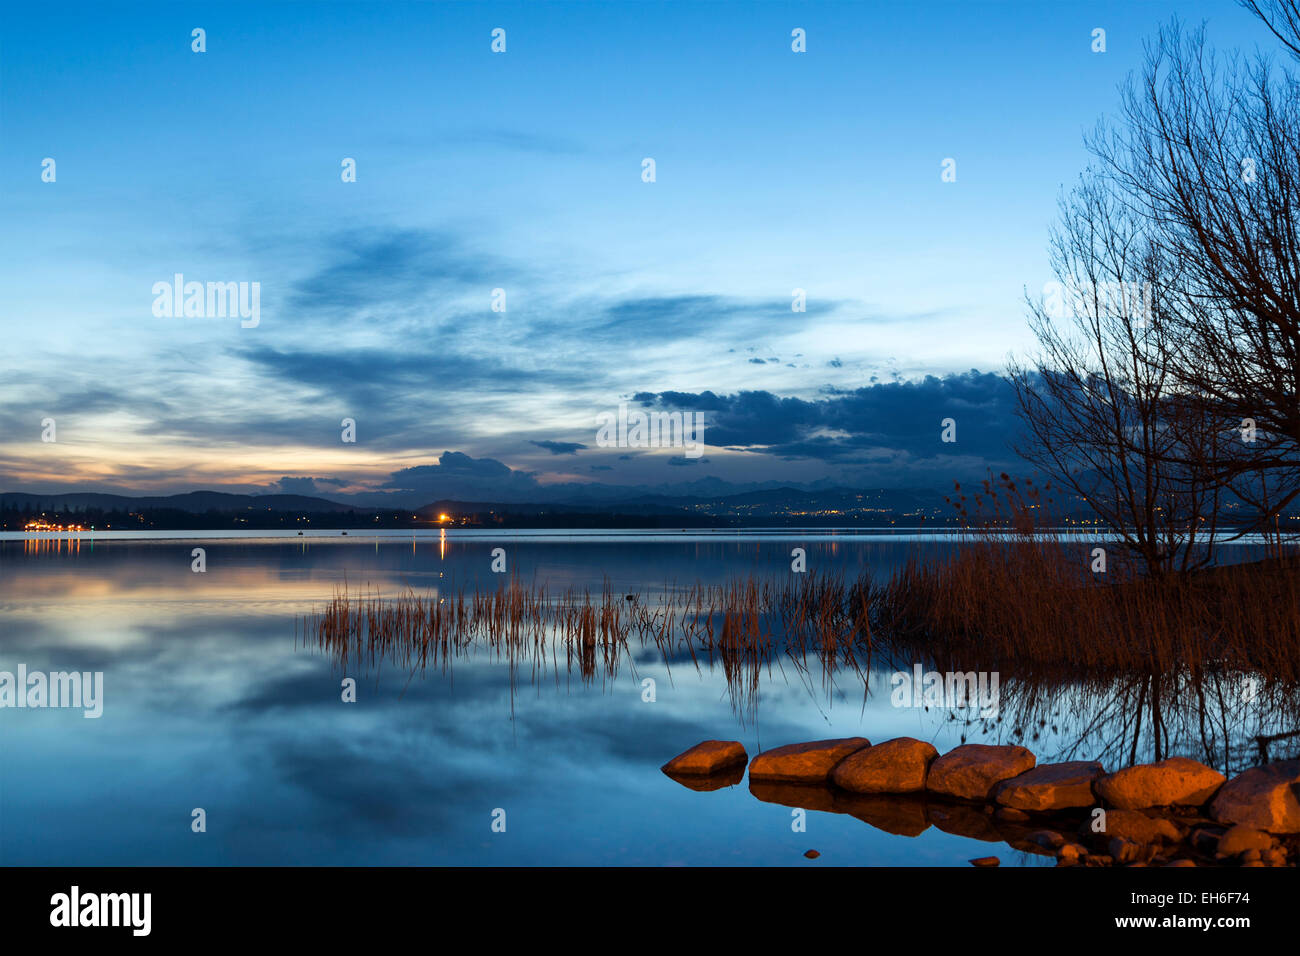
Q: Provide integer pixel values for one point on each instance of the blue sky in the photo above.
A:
(522, 171)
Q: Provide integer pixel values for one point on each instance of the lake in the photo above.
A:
(214, 700)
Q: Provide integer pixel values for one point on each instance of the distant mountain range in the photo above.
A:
(200, 510)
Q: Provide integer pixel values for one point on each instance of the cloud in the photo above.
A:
(384, 266)
(559, 447)
(304, 486)
(884, 421)
(691, 316)
(457, 475)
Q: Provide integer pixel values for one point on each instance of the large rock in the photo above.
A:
(895, 766)
(710, 756)
(971, 771)
(1266, 798)
(804, 763)
(1052, 786)
(1240, 839)
(1176, 781)
(1137, 827)
(705, 783)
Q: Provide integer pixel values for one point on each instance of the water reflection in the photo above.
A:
(209, 702)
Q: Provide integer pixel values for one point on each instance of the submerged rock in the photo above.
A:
(707, 757)
(804, 763)
(895, 766)
(971, 771)
(1264, 798)
(1047, 842)
(985, 861)
(1177, 781)
(1052, 786)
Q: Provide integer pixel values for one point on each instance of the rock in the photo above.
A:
(804, 763)
(1049, 839)
(1205, 840)
(1010, 815)
(1071, 851)
(704, 783)
(1052, 786)
(902, 815)
(710, 756)
(985, 861)
(971, 771)
(1176, 781)
(1254, 863)
(1121, 850)
(1250, 856)
(895, 766)
(1242, 839)
(1183, 862)
(1264, 798)
(812, 854)
(1137, 827)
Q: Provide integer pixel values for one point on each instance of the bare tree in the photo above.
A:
(1207, 158)
(1099, 402)
(1280, 16)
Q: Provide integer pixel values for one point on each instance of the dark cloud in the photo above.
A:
(380, 267)
(685, 316)
(398, 398)
(305, 486)
(559, 447)
(865, 425)
(457, 475)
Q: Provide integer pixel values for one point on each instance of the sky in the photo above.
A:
(523, 171)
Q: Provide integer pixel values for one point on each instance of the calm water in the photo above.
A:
(210, 701)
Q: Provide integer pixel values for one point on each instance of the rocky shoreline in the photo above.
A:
(1176, 812)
